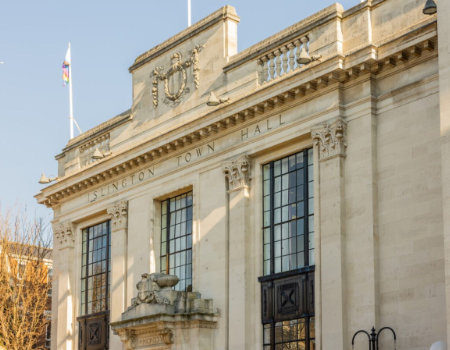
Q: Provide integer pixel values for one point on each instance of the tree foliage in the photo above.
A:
(24, 283)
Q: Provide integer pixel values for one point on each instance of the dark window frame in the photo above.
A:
(87, 233)
(308, 244)
(295, 272)
(181, 242)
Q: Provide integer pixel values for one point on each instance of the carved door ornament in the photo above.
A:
(176, 75)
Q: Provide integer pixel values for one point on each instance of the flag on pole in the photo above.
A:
(65, 68)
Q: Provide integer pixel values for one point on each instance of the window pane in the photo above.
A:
(285, 221)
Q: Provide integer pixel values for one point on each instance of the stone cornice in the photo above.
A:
(226, 12)
(337, 72)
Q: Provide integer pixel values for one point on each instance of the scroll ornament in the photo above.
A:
(177, 66)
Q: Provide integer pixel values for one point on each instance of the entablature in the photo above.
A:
(264, 101)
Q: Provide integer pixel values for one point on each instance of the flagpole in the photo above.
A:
(189, 13)
(70, 95)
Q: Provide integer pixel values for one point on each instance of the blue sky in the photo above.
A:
(106, 37)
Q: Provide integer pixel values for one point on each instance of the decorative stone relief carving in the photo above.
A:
(237, 173)
(119, 215)
(64, 234)
(159, 314)
(177, 67)
(149, 287)
(330, 139)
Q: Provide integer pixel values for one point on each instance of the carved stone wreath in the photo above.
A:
(177, 66)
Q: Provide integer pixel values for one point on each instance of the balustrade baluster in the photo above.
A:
(297, 44)
(260, 70)
(272, 65)
(278, 61)
(291, 48)
(265, 69)
(284, 51)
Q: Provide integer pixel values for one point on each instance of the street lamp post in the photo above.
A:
(373, 337)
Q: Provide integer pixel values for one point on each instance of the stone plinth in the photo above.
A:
(162, 318)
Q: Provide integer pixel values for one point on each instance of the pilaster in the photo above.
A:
(119, 246)
(444, 104)
(361, 245)
(237, 177)
(63, 285)
(330, 145)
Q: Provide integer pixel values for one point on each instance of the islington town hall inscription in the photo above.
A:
(191, 156)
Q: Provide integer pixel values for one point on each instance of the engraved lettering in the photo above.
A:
(194, 154)
(244, 133)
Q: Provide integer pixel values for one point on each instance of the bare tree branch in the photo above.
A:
(24, 285)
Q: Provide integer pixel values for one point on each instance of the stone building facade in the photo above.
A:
(302, 186)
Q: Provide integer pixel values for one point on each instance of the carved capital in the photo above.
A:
(119, 215)
(237, 173)
(330, 139)
(63, 234)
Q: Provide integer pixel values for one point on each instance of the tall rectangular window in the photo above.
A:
(176, 239)
(287, 287)
(96, 268)
(288, 213)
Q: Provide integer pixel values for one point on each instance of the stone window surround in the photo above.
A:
(155, 235)
(168, 211)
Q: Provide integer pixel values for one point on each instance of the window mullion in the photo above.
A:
(306, 203)
(272, 227)
(86, 279)
(307, 340)
(167, 235)
(108, 243)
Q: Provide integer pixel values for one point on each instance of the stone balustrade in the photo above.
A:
(283, 60)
